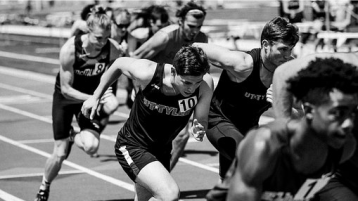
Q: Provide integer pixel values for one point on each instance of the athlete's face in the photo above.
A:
(98, 37)
(191, 26)
(277, 52)
(157, 25)
(187, 84)
(120, 24)
(333, 121)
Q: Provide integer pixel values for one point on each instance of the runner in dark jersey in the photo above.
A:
(344, 186)
(292, 159)
(83, 60)
(168, 95)
(163, 46)
(240, 96)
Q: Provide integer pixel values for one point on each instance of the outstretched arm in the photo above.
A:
(201, 112)
(238, 63)
(152, 47)
(139, 70)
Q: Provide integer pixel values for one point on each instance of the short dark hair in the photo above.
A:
(188, 7)
(158, 12)
(279, 28)
(191, 60)
(86, 11)
(314, 83)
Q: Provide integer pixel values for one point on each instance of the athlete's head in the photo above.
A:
(191, 19)
(121, 19)
(158, 16)
(99, 25)
(278, 38)
(190, 64)
(328, 89)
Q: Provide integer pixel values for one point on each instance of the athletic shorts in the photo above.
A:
(63, 111)
(134, 158)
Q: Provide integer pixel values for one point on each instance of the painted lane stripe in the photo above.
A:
(106, 178)
(39, 174)
(8, 197)
(29, 58)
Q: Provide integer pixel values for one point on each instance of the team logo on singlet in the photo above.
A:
(98, 69)
(305, 193)
(184, 106)
(255, 96)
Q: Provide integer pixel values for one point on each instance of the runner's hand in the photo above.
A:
(197, 130)
(90, 107)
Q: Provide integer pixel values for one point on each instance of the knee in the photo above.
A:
(110, 104)
(90, 148)
(170, 194)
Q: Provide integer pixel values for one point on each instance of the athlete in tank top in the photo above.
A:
(152, 106)
(250, 94)
(176, 40)
(87, 70)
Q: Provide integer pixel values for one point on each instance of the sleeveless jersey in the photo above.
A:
(176, 41)
(285, 183)
(87, 71)
(240, 103)
(155, 118)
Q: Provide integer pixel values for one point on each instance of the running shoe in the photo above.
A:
(42, 195)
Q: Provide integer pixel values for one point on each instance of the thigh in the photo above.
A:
(134, 158)
(62, 115)
(225, 137)
(157, 180)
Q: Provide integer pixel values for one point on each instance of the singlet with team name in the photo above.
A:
(240, 103)
(284, 183)
(176, 41)
(87, 71)
(155, 118)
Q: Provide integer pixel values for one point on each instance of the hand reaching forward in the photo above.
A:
(90, 107)
(197, 130)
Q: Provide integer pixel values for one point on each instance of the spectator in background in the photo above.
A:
(156, 17)
(293, 10)
(121, 19)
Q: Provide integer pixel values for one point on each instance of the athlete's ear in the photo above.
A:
(308, 109)
(265, 44)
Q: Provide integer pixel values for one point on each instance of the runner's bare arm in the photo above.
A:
(67, 59)
(152, 47)
(140, 70)
(201, 112)
(236, 62)
(255, 157)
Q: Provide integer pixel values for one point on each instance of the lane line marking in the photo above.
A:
(8, 197)
(106, 178)
(39, 174)
(29, 58)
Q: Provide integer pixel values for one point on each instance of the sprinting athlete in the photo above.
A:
(163, 46)
(241, 95)
(168, 95)
(292, 159)
(344, 185)
(83, 60)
